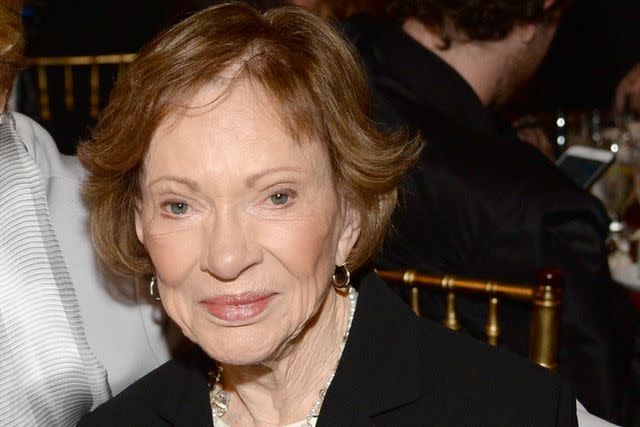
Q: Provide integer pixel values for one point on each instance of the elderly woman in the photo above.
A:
(235, 171)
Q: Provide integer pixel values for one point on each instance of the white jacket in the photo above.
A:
(126, 338)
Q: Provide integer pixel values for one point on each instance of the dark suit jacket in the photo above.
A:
(481, 203)
(396, 370)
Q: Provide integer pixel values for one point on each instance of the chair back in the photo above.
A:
(545, 298)
(72, 67)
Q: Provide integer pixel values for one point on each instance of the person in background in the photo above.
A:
(62, 329)
(340, 9)
(480, 202)
(627, 95)
(244, 183)
(582, 68)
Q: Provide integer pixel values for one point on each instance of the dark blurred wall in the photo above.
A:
(79, 27)
(76, 27)
(596, 43)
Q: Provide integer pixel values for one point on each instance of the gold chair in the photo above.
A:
(545, 298)
(70, 64)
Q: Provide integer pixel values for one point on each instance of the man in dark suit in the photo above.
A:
(481, 202)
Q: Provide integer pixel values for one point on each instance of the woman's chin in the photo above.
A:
(237, 352)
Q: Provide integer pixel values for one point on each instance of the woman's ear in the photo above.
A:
(349, 235)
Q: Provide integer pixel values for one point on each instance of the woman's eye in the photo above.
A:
(179, 208)
(279, 198)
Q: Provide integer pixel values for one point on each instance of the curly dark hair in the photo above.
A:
(475, 19)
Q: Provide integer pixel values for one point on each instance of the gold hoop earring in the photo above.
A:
(341, 277)
(154, 284)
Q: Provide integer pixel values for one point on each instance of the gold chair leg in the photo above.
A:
(545, 320)
(415, 300)
(94, 99)
(68, 88)
(492, 328)
(45, 111)
(451, 317)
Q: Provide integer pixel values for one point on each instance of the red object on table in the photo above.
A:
(634, 296)
(632, 218)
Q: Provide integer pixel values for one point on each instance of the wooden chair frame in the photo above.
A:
(545, 297)
(92, 61)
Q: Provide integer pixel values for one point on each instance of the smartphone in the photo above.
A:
(584, 164)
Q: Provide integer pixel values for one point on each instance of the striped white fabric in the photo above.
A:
(48, 374)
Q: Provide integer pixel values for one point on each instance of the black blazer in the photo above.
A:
(481, 203)
(396, 370)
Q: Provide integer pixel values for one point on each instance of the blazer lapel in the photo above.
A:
(194, 409)
(380, 367)
(187, 403)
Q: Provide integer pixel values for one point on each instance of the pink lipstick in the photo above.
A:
(238, 307)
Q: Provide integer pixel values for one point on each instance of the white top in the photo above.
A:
(126, 338)
(585, 419)
(303, 423)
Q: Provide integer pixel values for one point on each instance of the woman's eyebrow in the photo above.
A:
(252, 179)
(191, 184)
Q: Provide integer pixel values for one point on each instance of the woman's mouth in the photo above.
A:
(238, 307)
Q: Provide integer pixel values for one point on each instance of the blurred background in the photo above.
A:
(75, 50)
(595, 45)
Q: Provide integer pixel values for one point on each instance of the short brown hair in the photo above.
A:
(300, 62)
(11, 43)
(484, 20)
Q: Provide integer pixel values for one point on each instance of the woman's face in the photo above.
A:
(243, 225)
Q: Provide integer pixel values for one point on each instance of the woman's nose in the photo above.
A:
(230, 247)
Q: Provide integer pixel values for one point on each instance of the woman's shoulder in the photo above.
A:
(169, 392)
(44, 151)
(457, 379)
(461, 354)
(485, 380)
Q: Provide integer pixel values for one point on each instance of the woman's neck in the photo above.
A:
(284, 390)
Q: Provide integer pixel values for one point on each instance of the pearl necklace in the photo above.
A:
(219, 398)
